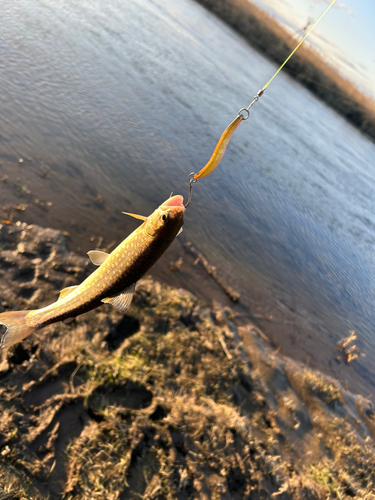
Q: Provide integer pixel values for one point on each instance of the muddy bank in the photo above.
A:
(171, 400)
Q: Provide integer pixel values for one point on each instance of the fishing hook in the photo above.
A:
(191, 182)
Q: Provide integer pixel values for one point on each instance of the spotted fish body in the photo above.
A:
(112, 282)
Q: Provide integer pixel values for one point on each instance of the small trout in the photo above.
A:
(113, 282)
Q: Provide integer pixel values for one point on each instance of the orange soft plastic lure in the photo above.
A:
(218, 154)
(221, 146)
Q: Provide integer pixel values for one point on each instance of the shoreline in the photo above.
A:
(92, 221)
(283, 329)
(88, 171)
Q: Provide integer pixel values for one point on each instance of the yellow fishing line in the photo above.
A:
(300, 43)
(221, 146)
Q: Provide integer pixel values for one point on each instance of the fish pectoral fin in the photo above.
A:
(68, 320)
(66, 291)
(180, 231)
(140, 217)
(122, 302)
(97, 257)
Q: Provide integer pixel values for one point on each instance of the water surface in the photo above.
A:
(111, 105)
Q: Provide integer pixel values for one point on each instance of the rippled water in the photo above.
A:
(122, 100)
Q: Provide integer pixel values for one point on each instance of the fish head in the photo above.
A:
(167, 219)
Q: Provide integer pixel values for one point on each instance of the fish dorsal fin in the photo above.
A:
(140, 217)
(122, 302)
(97, 257)
(66, 291)
(180, 231)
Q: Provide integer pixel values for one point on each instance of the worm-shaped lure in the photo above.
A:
(219, 151)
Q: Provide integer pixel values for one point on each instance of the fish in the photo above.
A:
(115, 279)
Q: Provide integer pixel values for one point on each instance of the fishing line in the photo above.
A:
(301, 42)
(242, 115)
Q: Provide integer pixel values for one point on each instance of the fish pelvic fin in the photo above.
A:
(122, 302)
(17, 327)
(68, 320)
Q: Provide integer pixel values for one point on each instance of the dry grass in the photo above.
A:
(14, 484)
(320, 386)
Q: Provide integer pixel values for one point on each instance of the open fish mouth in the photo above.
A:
(174, 201)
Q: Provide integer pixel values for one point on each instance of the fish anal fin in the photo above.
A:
(97, 257)
(122, 302)
(66, 291)
(17, 327)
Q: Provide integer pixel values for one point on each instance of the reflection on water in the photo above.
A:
(123, 100)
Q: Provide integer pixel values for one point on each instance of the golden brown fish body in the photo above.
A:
(112, 282)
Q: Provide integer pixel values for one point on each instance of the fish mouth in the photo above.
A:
(176, 201)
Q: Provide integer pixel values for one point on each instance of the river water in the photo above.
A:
(112, 104)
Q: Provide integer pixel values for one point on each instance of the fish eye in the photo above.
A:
(164, 217)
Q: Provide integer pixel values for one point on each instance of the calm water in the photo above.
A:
(122, 100)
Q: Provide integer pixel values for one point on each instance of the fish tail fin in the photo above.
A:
(17, 327)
